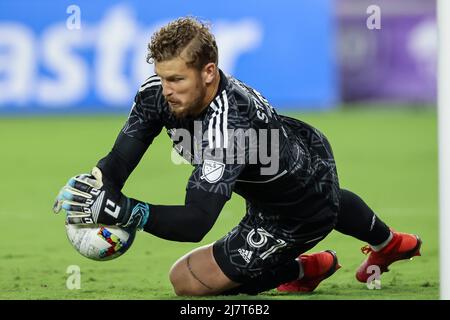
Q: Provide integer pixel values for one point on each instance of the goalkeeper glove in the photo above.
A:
(90, 199)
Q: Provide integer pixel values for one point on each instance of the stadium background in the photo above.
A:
(66, 89)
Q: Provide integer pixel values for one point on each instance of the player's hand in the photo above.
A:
(90, 199)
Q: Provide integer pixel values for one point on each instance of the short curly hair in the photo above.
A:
(186, 35)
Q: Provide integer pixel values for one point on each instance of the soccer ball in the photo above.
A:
(99, 242)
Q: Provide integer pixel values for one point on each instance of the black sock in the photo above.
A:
(268, 280)
(356, 219)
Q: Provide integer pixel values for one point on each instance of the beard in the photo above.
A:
(193, 109)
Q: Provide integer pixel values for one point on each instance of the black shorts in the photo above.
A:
(260, 242)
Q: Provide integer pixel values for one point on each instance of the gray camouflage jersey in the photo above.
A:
(239, 143)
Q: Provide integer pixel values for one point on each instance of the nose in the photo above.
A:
(167, 90)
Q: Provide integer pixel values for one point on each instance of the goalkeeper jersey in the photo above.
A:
(239, 143)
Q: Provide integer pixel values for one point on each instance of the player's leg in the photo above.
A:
(302, 274)
(257, 255)
(197, 274)
(356, 219)
(263, 253)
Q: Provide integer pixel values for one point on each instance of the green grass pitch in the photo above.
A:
(387, 157)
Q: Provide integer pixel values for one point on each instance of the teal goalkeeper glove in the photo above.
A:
(90, 199)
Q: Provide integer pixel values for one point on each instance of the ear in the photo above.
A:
(209, 72)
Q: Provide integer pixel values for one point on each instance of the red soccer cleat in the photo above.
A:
(316, 267)
(402, 246)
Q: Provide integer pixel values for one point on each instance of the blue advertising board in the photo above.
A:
(65, 56)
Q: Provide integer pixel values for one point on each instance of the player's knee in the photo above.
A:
(177, 279)
(184, 289)
(181, 288)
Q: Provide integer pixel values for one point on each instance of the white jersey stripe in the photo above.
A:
(220, 107)
(210, 130)
(213, 106)
(150, 84)
(152, 78)
(225, 120)
(210, 125)
(218, 133)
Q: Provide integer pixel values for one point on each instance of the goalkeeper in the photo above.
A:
(236, 142)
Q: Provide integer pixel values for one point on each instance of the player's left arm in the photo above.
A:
(189, 222)
(210, 186)
(87, 199)
(90, 199)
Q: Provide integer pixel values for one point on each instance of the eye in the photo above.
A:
(174, 79)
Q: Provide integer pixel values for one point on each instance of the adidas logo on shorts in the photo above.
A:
(247, 255)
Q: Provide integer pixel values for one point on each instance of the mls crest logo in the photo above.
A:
(212, 171)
